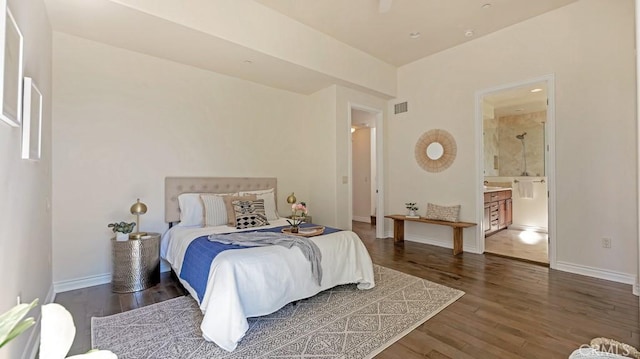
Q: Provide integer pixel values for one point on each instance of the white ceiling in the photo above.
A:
(441, 23)
(357, 23)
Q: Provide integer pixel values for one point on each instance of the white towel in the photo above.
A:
(525, 189)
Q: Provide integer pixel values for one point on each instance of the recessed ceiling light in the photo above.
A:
(414, 35)
(486, 6)
(468, 33)
(536, 90)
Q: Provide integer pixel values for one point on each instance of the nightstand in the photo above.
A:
(307, 219)
(136, 263)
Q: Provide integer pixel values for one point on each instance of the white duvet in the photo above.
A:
(258, 281)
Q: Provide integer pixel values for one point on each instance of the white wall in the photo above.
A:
(345, 98)
(595, 127)
(25, 186)
(123, 121)
(319, 133)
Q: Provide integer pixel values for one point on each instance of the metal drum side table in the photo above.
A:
(136, 263)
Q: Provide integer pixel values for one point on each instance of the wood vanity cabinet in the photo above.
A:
(497, 211)
(508, 212)
(486, 223)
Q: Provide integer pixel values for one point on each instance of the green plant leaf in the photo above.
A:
(18, 329)
(11, 324)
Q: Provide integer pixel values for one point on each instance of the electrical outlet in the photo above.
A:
(606, 242)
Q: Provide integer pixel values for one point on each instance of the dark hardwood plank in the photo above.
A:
(511, 309)
(527, 310)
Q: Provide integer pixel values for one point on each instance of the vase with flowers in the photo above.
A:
(298, 214)
(411, 206)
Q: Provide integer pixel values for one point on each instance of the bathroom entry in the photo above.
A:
(515, 171)
(363, 166)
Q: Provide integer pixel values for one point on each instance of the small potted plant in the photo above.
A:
(122, 229)
(411, 206)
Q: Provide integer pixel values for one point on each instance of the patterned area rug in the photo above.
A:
(342, 322)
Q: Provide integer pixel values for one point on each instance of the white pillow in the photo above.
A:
(215, 211)
(269, 198)
(191, 210)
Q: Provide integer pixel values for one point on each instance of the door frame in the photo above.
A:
(379, 200)
(550, 160)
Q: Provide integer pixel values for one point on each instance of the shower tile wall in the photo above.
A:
(509, 148)
(491, 161)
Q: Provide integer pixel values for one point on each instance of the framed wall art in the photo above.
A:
(11, 91)
(31, 120)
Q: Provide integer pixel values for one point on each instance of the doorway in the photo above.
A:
(365, 203)
(516, 177)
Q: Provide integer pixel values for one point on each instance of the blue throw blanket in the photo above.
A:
(201, 252)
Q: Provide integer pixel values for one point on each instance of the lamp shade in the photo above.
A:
(139, 208)
(292, 198)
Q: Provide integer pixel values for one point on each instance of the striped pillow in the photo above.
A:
(215, 212)
(250, 214)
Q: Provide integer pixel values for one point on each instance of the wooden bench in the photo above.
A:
(398, 229)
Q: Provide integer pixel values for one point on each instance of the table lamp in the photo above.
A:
(138, 208)
(291, 200)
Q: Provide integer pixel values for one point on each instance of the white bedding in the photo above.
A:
(258, 281)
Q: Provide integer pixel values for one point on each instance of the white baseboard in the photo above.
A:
(78, 283)
(597, 273)
(361, 219)
(33, 344)
(636, 289)
(471, 248)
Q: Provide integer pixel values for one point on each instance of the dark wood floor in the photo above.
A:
(511, 309)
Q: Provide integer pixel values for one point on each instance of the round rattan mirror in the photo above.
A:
(435, 150)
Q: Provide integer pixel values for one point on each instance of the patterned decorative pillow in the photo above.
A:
(269, 202)
(250, 214)
(228, 204)
(443, 213)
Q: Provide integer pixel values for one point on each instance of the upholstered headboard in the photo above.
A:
(174, 186)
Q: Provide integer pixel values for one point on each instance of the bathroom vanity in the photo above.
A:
(497, 209)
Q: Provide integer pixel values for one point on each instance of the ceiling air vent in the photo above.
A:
(400, 108)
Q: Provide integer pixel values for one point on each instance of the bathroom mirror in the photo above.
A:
(435, 150)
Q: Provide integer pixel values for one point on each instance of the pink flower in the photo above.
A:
(298, 213)
(299, 207)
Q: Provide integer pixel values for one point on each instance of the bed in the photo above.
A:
(254, 281)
